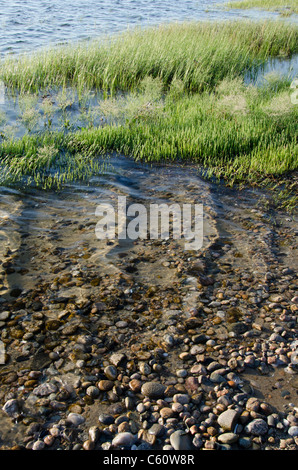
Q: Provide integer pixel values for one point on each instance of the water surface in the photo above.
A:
(26, 25)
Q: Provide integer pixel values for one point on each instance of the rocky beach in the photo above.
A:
(143, 345)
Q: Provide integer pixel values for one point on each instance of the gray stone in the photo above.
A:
(216, 377)
(117, 358)
(124, 439)
(244, 442)
(238, 328)
(257, 427)
(156, 430)
(4, 315)
(293, 431)
(45, 389)
(153, 390)
(105, 418)
(75, 418)
(11, 407)
(181, 398)
(227, 420)
(180, 440)
(228, 438)
(38, 445)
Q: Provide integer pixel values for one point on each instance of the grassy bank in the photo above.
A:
(284, 7)
(181, 100)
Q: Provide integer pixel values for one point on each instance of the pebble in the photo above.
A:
(181, 398)
(153, 390)
(156, 430)
(92, 391)
(105, 385)
(111, 372)
(75, 419)
(257, 427)
(293, 431)
(227, 420)
(38, 445)
(227, 438)
(166, 413)
(105, 418)
(11, 407)
(181, 440)
(117, 358)
(124, 439)
(45, 389)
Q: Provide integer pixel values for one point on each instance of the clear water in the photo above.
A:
(27, 25)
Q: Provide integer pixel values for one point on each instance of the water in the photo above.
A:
(45, 233)
(27, 25)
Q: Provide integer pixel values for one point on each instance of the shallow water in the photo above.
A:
(32, 24)
(45, 233)
(33, 225)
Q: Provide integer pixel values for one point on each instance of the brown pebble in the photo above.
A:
(123, 427)
(49, 440)
(166, 413)
(105, 385)
(88, 445)
(135, 385)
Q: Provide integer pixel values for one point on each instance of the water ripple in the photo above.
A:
(67, 20)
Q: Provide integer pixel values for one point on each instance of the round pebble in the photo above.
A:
(124, 439)
(153, 390)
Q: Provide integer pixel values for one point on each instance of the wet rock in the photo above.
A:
(237, 328)
(92, 391)
(11, 407)
(105, 385)
(111, 372)
(45, 389)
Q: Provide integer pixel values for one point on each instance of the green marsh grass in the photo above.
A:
(199, 54)
(183, 99)
(284, 7)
